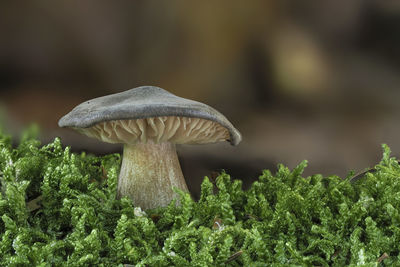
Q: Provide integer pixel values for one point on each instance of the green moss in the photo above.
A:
(59, 208)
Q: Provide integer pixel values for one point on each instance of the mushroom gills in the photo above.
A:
(177, 130)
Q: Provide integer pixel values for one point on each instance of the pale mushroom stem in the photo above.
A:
(148, 174)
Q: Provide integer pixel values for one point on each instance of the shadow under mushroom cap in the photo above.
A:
(142, 103)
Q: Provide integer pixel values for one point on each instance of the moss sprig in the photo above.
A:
(59, 208)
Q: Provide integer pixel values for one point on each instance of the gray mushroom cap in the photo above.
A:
(141, 103)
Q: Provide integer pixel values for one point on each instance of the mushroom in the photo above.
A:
(149, 121)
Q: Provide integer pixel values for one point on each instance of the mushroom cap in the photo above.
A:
(143, 103)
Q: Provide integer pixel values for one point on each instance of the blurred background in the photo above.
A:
(315, 80)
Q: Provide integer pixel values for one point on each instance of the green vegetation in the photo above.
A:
(58, 208)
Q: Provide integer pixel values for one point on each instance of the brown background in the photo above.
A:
(316, 80)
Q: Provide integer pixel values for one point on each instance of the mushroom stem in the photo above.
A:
(149, 171)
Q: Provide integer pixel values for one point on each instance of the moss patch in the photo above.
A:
(58, 208)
